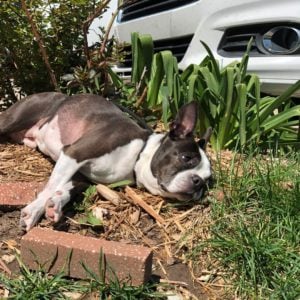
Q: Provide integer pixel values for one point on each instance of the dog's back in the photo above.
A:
(44, 119)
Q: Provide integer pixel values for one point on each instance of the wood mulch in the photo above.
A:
(183, 225)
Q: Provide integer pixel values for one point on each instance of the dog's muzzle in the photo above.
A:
(194, 190)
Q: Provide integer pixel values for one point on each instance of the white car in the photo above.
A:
(226, 26)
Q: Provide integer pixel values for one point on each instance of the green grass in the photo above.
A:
(36, 285)
(256, 228)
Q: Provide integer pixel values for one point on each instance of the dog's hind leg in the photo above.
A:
(27, 112)
(55, 195)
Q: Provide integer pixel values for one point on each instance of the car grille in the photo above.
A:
(141, 8)
(235, 40)
(177, 46)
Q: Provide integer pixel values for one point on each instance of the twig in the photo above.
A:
(142, 97)
(86, 25)
(183, 215)
(162, 267)
(28, 172)
(107, 233)
(161, 203)
(137, 200)
(166, 243)
(218, 284)
(73, 221)
(173, 282)
(4, 267)
(179, 225)
(41, 45)
(107, 31)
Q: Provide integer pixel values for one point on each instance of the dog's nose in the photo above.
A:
(197, 181)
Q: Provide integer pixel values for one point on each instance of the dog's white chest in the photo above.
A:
(114, 166)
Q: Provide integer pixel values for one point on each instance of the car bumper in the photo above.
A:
(208, 20)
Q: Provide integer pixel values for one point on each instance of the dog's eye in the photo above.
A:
(185, 158)
(189, 159)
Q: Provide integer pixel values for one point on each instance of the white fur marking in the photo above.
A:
(181, 180)
(114, 166)
(144, 176)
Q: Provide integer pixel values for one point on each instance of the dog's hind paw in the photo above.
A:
(30, 215)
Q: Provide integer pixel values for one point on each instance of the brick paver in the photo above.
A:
(18, 194)
(57, 251)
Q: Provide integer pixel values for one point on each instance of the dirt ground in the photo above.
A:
(125, 222)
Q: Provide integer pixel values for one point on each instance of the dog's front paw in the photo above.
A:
(53, 210)
(30, 215)
(55, 204)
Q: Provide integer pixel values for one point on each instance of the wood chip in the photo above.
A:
(108, 194)
(135, 216)
(137, 200)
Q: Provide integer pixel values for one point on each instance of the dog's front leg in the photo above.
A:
(55, 195)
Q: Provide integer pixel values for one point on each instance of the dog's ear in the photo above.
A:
(205, 138)
(185, 121)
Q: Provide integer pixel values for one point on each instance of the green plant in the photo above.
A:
(229, 99)
(88, 199)
(88, 219)
(255, 229)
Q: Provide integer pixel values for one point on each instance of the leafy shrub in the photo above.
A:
(229, 99)
(61, 27)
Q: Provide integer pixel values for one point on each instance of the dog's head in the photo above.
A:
(180, 164)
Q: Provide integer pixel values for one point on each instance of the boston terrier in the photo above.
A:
(89, 134)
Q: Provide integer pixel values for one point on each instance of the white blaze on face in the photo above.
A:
(182, 181)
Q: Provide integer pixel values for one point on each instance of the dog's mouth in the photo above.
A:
(192, 195)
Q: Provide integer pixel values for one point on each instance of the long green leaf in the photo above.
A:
(176, 94)
(157, 75)
(279, 100)
(281, 118)
(225, 122)
(142, 54)
(192, 85)
(242, 96)
(191, 69)
(116, 80)
(210, 79)
(165, 110)
(135, 52)
(169, 68)
(213, 61)
(245, 58)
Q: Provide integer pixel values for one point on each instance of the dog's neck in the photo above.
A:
(144, 176)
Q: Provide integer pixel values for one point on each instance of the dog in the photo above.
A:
(89, 134)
